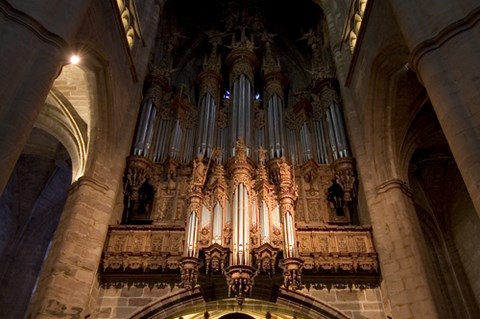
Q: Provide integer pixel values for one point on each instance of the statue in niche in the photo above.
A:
(254, 236)
(227, 234)
(240, 151)
(199, 170)
(335, 196)
(171, 177)
(299, 214)
(204, 236)
(180, 213)
(267, 265)
(262, 156)
(314, 211)
(312, 182)
(304, 244)
(215, 265)
(162, 208)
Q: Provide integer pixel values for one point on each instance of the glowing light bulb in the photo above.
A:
(74, 59)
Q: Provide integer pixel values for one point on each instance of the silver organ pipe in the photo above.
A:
(275, 126)
(276, 217)
(148, 111)
(305, 142)
(206, 217)
(206, 126)
(292, 145)
(176, 140)
(187, 149)
(338, 137)
(240, 119)
(162, 141)
(217, 224)
(342, 147)
(332, 133)
(228, 213)
(289, 237)
(253, 215)
(222, 142)
(150, 131)
(321, 142)
(241, 226)
(264, 223)
(192, 230)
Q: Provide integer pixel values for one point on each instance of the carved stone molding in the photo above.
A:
(394, 183)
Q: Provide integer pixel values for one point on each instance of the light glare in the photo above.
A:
(74, 59)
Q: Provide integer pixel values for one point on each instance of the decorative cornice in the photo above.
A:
(31, 24)
(393, 183)
(442, 37)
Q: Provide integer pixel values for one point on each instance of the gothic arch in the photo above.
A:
(392, 100)
(189, 302)
(441, 200)
(82, 94)
(59, 118)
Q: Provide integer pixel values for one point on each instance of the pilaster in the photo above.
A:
(70, 270)
(401, 248)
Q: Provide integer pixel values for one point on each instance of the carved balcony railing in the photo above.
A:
(333, 256)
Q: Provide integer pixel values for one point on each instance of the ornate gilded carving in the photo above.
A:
(346, 177)
(216, 257)
(242, 59)
(188, 272)
(240, 281)
(259, 120)
(265, 256)
(292, 273)
(138, 168)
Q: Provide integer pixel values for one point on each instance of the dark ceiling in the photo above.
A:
(189, 20)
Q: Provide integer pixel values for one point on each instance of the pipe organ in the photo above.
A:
(249, 177)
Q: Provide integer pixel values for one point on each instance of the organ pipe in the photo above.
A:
(321, 142)
(217, 224)
(192, 230)
(264, 223)
(176, 140)
(292, 145)
(241, 226)
(275, 126)
(343, 149)
(240, 119)
(162, 141)
(305, 142)
(336, 130)
(187, 148)
(206, 126)
(145, 129)
(332, 134)
(289, 237)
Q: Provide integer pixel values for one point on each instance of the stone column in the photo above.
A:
(34, 36)
(70, 270)
(401, 249)
(444, 40)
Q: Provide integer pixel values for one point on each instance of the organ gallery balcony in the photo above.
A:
(332, 256)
